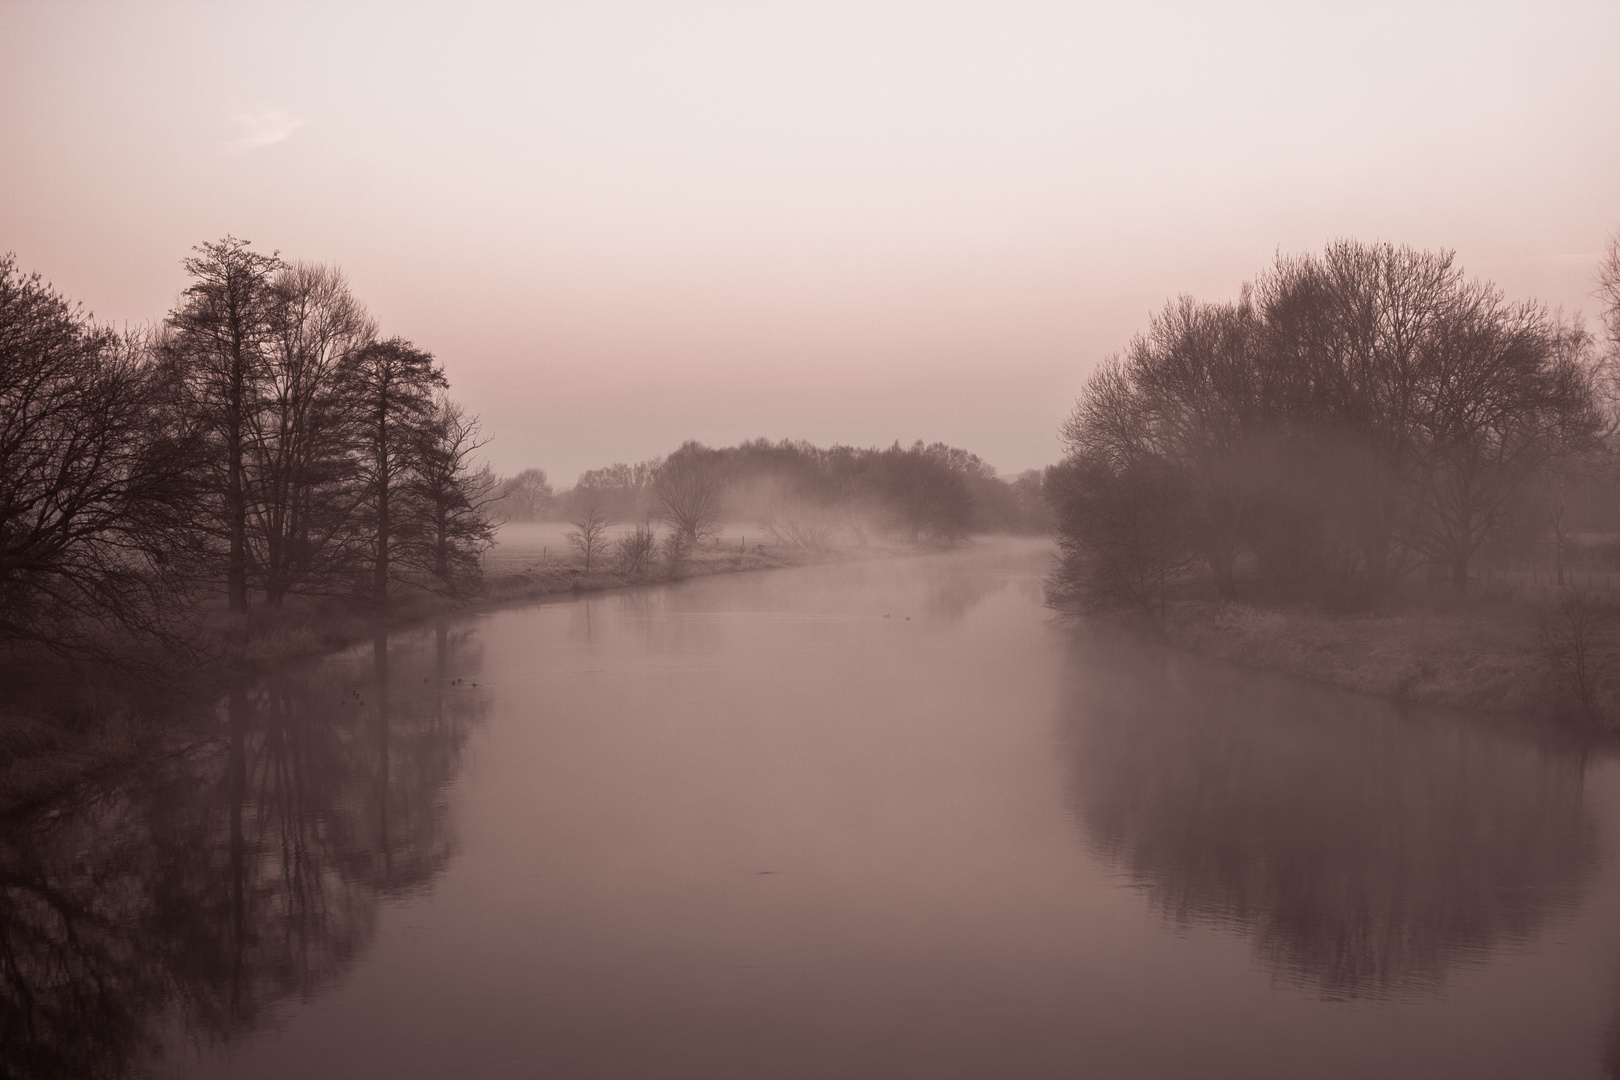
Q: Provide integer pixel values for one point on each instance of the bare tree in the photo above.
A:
(95, 474)
(390, 385)
(452, 500)
(301, 496)
(221, 331)
(1608, 292)
(1570, 635)
(636, 549)
(1192, 377)
(690, 487)
(589, 535)
(1499, 405)
(1345, 339)
(1122, 510)
(1578, 437)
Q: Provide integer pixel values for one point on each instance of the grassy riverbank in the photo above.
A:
(1493, 653)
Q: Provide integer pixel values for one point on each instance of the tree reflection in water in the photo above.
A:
(198, 891)
(1364, 850)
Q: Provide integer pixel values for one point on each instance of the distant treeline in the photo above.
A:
(801, 494)
(1351, 419)
(261, 441)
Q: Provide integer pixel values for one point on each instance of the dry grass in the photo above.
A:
(1483, 656)
(523, 572)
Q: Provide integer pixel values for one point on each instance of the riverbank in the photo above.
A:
(1484, 654)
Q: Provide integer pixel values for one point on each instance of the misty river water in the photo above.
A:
(873, 819)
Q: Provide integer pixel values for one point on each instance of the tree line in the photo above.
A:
(1352, 419)
(803, 494)
(260, 442)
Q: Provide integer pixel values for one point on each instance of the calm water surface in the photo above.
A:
(869, 820)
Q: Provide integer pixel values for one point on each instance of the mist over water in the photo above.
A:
(872, 819)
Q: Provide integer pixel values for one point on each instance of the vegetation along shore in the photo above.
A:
(1369, 469)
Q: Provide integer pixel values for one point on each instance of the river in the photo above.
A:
(872, 819)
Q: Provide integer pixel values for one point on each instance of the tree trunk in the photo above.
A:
(1221, 565)
(236, 513)
(237, 711)
(380, 574)
(441, 548)
(379, 667)
(384, 481)
(1459, 574)
(1375, 545)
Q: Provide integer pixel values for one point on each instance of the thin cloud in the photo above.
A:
(263, 128)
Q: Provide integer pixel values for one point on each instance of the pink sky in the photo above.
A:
(624, 226)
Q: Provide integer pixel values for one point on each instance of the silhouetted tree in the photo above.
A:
(221, 332)
(390, 385)
(1122, 509)
(1501, 403)
(94, 474)
(1345, 341)
(452, 499)
(301, 492)
(1608, 281)
(589, 535)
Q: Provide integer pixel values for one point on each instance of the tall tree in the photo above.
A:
(221, 331)
(451, 500)
(390, 385)
(1499, 404)
(301, 496)
(1344, 341)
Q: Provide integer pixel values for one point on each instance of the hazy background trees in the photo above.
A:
(526, 496)
(1354, 416)
(690, 487)
(802, 495)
